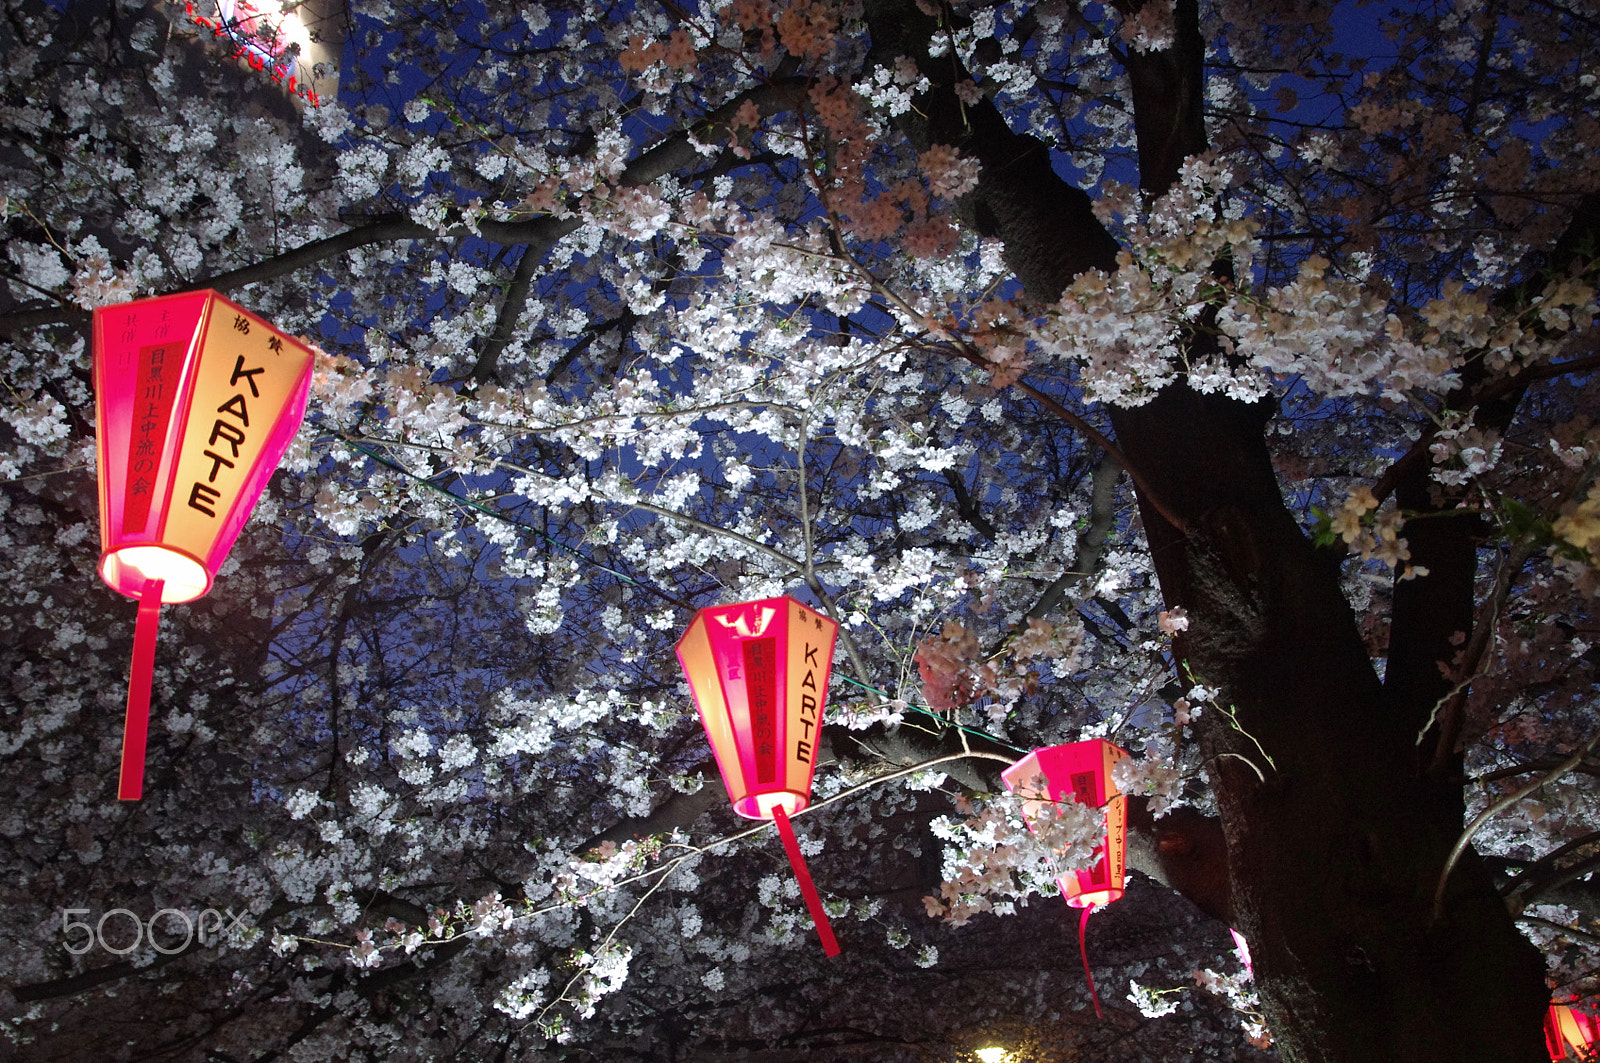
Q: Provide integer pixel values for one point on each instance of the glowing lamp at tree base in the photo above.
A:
(759, 675)
(1570, 1034)
(1081, 772)
(196, 400)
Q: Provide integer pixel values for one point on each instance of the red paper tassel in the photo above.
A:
(136, 725)
(791, 845)
(1083, 950)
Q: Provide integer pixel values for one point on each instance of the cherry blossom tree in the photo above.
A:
(1213, 377)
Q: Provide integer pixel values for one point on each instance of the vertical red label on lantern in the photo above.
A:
(761, 681)
(160, 366)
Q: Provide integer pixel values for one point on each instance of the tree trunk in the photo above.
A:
(1336, 834)
(1335, 837)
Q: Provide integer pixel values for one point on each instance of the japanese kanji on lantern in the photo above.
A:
(759, 675)
(196, 400)
(1570, 1034)
(1080, 772)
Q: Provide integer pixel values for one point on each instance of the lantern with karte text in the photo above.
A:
(1570, 1034)
(1080, 772)
(196, 400)
(759, 675)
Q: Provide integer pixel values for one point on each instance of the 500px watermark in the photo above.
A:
(210, 926)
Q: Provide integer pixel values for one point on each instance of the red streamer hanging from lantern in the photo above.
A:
(1083, 951)
(136, 723)
(802, 874)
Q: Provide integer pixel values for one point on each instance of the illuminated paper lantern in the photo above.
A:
(1081, 772)
(759, 675)
(1566, 1029)
(196, 400)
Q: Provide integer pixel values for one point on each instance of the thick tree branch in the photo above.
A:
(1169, 101)
(1184, 851)
(673, 154)
(487, 367)
(1091, 540)
(1431, 615)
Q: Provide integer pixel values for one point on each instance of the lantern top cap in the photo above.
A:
(705, 609)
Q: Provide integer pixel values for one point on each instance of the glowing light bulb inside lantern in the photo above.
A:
(184, 578)
(291, 28)
(992, 1055)
(196, 400)
(759, 675)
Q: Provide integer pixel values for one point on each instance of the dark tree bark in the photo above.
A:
(1335, 830)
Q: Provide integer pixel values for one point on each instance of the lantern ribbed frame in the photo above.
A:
(196, 401)
(1080, 771)
(1565, 1028)
(759, 675)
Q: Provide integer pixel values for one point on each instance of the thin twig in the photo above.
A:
(1495, 809)
(691, 852)
(1572, 930)
(1247, 760)
(610, 937)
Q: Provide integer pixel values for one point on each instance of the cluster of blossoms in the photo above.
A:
(1578, 529)
(1333, 328)
(1579, 523)
(1011, 846)
(1461, 450)
(955, 674)
(1151, 28)
(1154, 775)
(97, 282)
(1238, 991)
(604, 971)
(1379, 538)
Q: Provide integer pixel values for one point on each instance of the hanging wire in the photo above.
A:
(586, 559)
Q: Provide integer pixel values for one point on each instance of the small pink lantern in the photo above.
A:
(1080, 771)
(1570, 1034)
(759, 675)
(196, 400)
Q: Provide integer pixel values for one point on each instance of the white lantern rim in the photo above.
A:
(761, 806)
(1089, 898)
(128, 568)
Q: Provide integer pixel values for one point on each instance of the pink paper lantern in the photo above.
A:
(196, 400)
(759, 675)
(1081, 772)
(1570, 1034)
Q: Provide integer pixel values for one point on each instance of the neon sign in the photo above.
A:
(256, 40)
